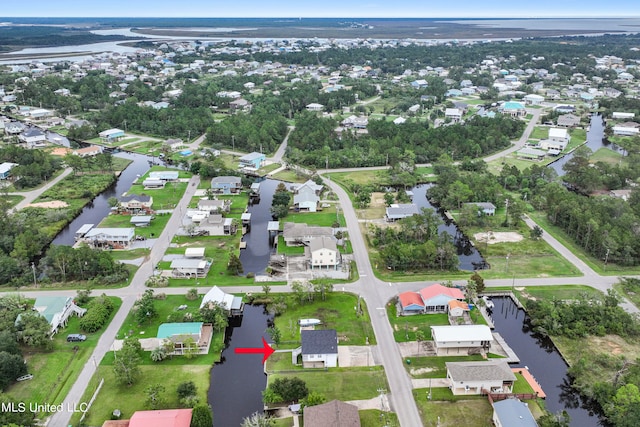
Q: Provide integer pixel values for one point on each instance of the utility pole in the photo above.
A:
(233, 142)
(33, 267)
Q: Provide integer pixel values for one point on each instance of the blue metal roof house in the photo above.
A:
(252, 160)
(512, 413)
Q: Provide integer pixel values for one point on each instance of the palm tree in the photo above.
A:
(257, 420)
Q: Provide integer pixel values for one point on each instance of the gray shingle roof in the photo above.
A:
(319, 342)
(480, 371)
(332, 414)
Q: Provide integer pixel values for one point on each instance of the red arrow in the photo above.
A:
(266, 350)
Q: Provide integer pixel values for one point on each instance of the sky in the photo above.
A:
(322, 8)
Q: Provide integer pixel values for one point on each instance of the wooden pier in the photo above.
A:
(511, 356)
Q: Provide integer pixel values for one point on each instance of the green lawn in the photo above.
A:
(163, 198)
(289, 175)
(608, 156)
(154, 229)
(288, 250)
(376, 418)
(336, 312)
(55, 372)
(434, 367)
(558, 292)
(130, 399)
(540, 132)
(11, 200)
(476, 412)
(164, 308)
(405, 327)
(341, 383)
(326, 218)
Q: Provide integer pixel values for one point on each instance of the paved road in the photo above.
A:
(129, 296)
(375, 294)
(523, 139)
(30, 196)
(277, 157)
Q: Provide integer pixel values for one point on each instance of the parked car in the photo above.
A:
(76, 337)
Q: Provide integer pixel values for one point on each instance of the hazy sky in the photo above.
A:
(323, 8)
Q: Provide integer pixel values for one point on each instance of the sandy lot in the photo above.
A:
(498, 237)
(54, 204)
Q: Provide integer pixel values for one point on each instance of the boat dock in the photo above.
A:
(531, 380)
(511, 356)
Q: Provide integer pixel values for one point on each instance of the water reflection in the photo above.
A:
(238, 380)
(545, 363)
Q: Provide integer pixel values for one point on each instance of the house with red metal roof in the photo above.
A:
(161, 418)
(432, 299)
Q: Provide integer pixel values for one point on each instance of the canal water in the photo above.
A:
(595, 138)
(544, 362)
(469, 257)
(255, 257)
(238, 380)
(99, 207)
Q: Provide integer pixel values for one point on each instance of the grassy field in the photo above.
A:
(558, 292)
(288, 250)
(632, 293)
(341, 383)
(476, 412)
(154, 229)
(11, 200)
(596, 264)
(55, 372)
(603, 353)
(163, 198)
(376, 418)
(289, 175)
(608, 156)
(130, 399)
(336, 312)
(326, 218)
(434, 367)
(164, 308)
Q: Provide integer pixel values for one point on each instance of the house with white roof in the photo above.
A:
(512, 412)
(461, 340)
(231, 303)
(110, 238)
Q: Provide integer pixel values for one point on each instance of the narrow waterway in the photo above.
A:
(255, 257)
(238, 380)
(469, 257)
(544, 362)
(595, 136)
(99, 207)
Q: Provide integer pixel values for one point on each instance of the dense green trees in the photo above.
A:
(64, 263)
(98, 312)
(127, 360)
(314, 141)
(34, 166)
(262, 130)
(416, 245)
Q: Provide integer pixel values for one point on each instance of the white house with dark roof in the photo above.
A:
(32, 136)
(135, 203)
(319, 348)
(492, 375)
(484, 208)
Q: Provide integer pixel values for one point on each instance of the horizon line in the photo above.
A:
(599, 16)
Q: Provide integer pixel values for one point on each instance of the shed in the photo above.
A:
(141, 220)
(194, 253)
(83, 230)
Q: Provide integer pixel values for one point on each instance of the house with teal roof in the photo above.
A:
(184, 335)
(513, 108)
(57, 311)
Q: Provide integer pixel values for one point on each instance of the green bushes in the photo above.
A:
(97, 314)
